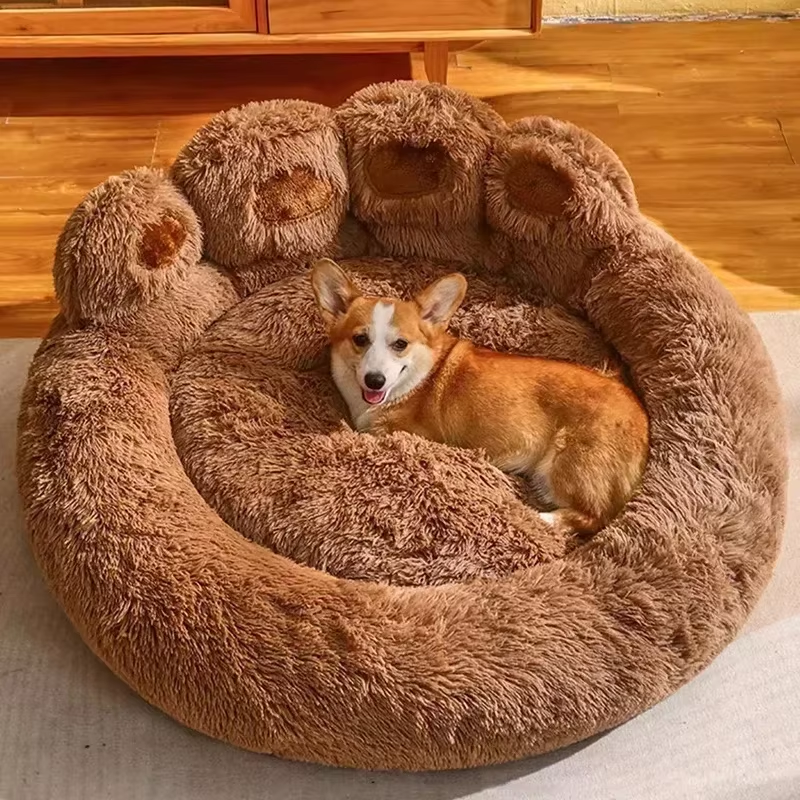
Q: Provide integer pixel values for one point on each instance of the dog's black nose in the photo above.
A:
(374, 380)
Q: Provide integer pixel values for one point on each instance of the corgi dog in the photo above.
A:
(580, 436)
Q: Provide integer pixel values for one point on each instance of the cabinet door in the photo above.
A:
(345, 16)
(108, 17)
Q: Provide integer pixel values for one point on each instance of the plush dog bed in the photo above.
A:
(225, 542)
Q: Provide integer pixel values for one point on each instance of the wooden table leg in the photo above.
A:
(435, 55)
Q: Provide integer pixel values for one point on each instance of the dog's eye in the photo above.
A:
(399, 345)
(361, 340)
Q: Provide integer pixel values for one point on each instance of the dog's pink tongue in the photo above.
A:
(372, 397)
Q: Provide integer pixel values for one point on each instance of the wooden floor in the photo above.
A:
(705, 115)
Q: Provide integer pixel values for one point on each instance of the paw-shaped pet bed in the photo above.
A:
(237, 553)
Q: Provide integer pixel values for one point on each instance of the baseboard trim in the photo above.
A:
(711, 16)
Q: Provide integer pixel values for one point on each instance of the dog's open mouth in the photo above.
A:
(373, 397)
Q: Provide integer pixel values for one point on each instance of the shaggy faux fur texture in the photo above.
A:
(520, 644)
(131, 240)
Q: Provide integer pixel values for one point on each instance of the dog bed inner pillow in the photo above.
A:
(264, 436)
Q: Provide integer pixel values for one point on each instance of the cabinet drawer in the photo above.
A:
(121, 17)
(343, 16)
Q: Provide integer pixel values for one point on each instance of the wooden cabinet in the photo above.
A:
(49, 28)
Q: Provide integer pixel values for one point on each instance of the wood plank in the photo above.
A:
(764, 86)
(344, 16)
(702, 138)
(46, 195)
(478, 70)
(173, 134)
(657, 43)
(664, 138)
(72, 147)
(673, 184)
(32, 215)
(29, 239)
(758, 241)
(29, 319)
(580, 92)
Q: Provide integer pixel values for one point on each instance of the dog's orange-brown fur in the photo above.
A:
(524, 412)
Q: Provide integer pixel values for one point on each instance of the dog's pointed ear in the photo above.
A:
(333, 290)
(439, 301)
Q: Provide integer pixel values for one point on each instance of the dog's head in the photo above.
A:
(382, 347)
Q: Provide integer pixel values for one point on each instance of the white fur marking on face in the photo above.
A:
(548, 517)
(379, 356)
(381, 329)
